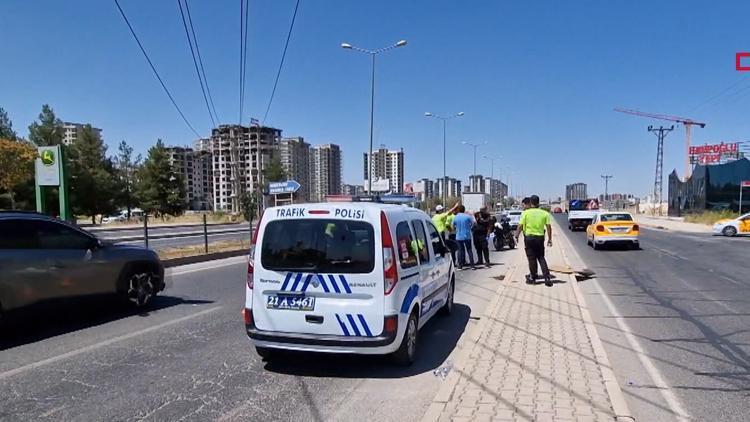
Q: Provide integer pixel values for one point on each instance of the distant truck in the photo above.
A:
(581, 212)
(473, 201)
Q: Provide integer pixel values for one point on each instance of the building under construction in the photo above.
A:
(240, 156)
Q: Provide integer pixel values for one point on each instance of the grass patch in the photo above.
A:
(709, 217)
(193, 250)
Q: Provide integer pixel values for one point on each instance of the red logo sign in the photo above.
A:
(708, 154)
(746, 183)
(738, 62)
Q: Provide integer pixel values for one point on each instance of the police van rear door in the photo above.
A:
(318, 270)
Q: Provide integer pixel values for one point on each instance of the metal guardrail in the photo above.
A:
(202, 230)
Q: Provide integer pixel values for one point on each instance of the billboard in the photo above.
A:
(714, 153)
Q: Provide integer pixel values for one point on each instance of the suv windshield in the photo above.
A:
(318, 245)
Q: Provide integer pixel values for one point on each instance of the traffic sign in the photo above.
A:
(278, 188)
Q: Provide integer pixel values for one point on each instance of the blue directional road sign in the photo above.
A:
(289, 186)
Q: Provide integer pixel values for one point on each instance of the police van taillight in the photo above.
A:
(390, 273)
(251, 255)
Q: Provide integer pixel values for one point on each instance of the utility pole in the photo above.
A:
(606, 188)
(661, 133)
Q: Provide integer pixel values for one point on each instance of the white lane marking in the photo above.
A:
(8, 374)
(230, 261)
(653, 372)
(732, 280)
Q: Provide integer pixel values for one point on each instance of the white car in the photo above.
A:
(345, 278)
(515, 218)
(733, 227)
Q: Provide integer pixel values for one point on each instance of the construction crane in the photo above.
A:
(688, 123)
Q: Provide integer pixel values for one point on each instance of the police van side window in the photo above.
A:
(404, 246)
(421, 244)
(435, 239)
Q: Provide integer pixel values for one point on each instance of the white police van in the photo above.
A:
(345, 278)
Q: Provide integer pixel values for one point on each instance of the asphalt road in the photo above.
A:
(675, 320)
(162, 237)
(188, 358)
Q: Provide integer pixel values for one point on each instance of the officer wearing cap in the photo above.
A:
(443, 220)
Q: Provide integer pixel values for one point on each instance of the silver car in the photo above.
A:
(42, 258)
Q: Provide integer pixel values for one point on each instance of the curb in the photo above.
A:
(174, 262)
(616, 396)
(445, 393)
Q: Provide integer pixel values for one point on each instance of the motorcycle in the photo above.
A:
(503, 235)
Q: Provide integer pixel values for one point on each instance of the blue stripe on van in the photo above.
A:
(296, 282)
(333, 283)
(345, 284)
(286, 281)
(411, 294)
(323, 283)
(307, 282)
(364, 325)
(354, 324)
(343, 326)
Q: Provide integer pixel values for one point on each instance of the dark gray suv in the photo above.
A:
(42, 258)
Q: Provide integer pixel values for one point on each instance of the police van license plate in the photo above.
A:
(294, 303)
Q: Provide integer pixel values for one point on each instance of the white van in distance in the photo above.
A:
(351, 277)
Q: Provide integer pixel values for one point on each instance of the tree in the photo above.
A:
(127, 168)
(249, 205)
(92, 175)
(160, 188)
(275, 171)
(16, 165)
(48, 131)
(6, 127)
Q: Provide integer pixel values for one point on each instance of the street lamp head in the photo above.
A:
(464, 143)
(346, 45)
(428, 114)
(401, 43)
(460, 113)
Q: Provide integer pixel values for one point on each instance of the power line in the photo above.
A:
(143, 50)
(200, 60)
(724, 91)
(281, 64)
(195, 62)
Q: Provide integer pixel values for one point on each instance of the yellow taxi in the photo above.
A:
(733, 226)
(613, 228)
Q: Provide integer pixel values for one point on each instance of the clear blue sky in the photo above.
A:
(537, 80)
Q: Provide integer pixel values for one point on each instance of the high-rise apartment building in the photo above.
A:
(240, 155)
(492, 187)
(575, 191)
(325, 171)
(424, 189)
(386, 164)
(452, 187)
(195, 169)
(72, 131)
(294, 154)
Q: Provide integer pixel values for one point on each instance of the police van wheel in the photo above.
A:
(265, 353)
(407, 352)
(447, 309)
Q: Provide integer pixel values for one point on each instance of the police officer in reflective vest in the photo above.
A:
(534, 223)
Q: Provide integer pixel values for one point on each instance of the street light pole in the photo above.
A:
(606, 188)
(372, 54)
(445, 122)
(475, 146)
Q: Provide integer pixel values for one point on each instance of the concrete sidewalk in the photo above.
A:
(671, 224)
(535, 355)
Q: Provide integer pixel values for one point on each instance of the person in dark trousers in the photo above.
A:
(534, 223)
(462, 224)
(480, 231)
